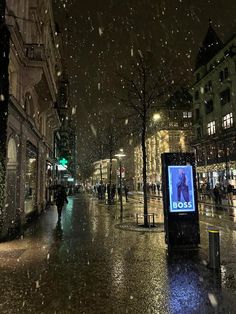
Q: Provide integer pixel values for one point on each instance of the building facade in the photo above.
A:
(214, 110)
(171, 133)
(102, 171)
(66, 136)
(34, 70)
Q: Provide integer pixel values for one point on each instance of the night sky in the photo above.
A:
(101, 36)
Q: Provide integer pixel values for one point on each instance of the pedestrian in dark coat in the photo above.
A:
(126, 192)
(61, 198)
(230, 194)
(99, 189)
(217, 196)
(113, 192)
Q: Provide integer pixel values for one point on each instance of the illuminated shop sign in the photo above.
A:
(181, 189)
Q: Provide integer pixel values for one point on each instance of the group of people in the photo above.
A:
(219, 192)
(152, 187)
(101, 190)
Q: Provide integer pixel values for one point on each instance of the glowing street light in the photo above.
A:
(156, 117)
(121, 154)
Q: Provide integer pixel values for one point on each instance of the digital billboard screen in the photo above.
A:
(181, 189)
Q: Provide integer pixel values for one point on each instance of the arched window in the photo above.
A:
(12, 152)
(31, 108)
(29, 105)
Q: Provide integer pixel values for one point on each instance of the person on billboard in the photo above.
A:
(182, 186)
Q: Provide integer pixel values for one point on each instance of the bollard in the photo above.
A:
(214, 248)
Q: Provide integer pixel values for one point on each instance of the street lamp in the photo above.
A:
(119, 156)
(156, 117)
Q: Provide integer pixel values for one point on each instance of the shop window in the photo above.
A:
(30, 178)
(209, 106)
(211, 128)
(227, 121)
(225, 96)
(12, 152)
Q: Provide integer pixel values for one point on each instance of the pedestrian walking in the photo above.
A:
(158, 185)
(99, 190)
(113, 193)
(154, 188)
(103, 191)
(217, 195)
(230, 193)
(119, 190)
(126, 192)
(61, 198)
(109, 193)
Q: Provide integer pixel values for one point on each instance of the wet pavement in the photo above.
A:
(90, 265)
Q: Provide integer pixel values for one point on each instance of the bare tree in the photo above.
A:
(86, 169)
(113, 136)
(105, 143)
(143, 89)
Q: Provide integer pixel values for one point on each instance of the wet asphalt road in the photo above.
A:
(88, 265)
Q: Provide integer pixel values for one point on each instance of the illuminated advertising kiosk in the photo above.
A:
(180, 199)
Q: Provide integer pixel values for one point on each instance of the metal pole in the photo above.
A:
(214, 248)
(121, 201)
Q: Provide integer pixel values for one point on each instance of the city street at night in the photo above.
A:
(117, 157)
(92, 264)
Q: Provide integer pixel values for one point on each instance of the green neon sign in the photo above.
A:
(63, 162)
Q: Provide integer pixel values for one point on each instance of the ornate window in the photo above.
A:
(227, 121)
(211, 128)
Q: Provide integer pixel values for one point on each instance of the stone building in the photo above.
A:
(171, 132)
(34, 71)
(102, 171)
(214, 108)
(66, 136)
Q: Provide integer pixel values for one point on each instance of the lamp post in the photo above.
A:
(119, 156)
(156, 117)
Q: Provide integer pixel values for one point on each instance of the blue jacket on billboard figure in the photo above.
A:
(181, 189)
